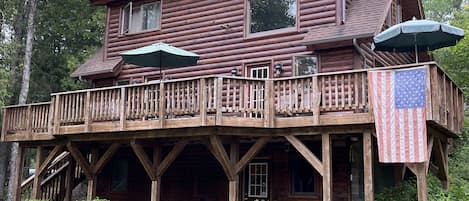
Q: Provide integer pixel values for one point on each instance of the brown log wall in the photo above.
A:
(215, 30)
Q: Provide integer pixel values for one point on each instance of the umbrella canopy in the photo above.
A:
(417, 35)
(160, 55)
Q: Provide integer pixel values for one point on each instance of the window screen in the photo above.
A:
(267, 15)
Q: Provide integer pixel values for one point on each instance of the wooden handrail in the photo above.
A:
(222, 97)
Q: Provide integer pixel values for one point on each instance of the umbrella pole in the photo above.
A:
(416, 53)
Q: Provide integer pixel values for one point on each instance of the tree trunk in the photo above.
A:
(24, 89)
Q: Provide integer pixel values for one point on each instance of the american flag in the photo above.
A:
(398, 98)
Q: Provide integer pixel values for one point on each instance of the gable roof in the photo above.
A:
(97, 65)
(364, 18)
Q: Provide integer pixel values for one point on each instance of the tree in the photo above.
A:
(24, 89)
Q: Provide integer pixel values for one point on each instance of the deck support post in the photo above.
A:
(36, 191)
(155, 189)
(327, 165)
(92, 181)
(154, 168)
(421, 182)
(92, 169)
(368, 166)
(69, 181)
(230, 164)
(19, 169)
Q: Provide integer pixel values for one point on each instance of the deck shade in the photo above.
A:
(160, 55)
(417, 35)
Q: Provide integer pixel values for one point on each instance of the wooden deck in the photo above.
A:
(326, 99)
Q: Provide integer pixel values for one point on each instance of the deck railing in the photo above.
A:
(225, 101)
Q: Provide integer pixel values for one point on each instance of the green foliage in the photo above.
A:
(405, 191)
(455, 59)
(441, 10)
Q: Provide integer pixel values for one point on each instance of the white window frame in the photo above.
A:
(127, 30)
(260, 184)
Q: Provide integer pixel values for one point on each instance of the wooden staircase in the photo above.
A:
(58, 181)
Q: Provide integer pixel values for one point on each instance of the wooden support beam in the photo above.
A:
(250, 154)
(69, 181)
(441, 161)
(169, 159)
(155, 190)
(92, 182)
(56, 151)
(217, 149)
(233, 190)
(105, 158)
(36, 190)
(368, 166)
(429, 151)
(19, 169)
(327, 165)
(233, 186)
(421, 181)
(144, 160)
(81, 161)
(306, 153)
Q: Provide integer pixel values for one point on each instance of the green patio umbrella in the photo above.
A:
(160, 55)
(417, 35)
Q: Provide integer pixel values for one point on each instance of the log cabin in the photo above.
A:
(276, 109)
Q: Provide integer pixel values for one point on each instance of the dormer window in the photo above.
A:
(264, 16)
(138, 18)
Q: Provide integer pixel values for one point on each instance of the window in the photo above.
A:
(264, 15)
(258, 180)
(140, 18)
(305, 65)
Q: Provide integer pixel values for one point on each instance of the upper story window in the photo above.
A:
(137, 18)
(266, 15)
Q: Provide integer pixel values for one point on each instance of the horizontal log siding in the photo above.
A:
(215, 30)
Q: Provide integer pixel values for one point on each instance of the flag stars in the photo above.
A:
(409, 86)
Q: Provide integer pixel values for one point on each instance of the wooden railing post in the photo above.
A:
(87, 111)
(56, 115)
(50, 122)
(428, 92)
(269, 113)
(219, 101)
(162, 104)
(4, 124)
(122, 109)
(28, 121)
(202, 102)
(435, 93)
(316, 101)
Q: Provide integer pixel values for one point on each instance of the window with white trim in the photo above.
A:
(138, 18)
(258, 180)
